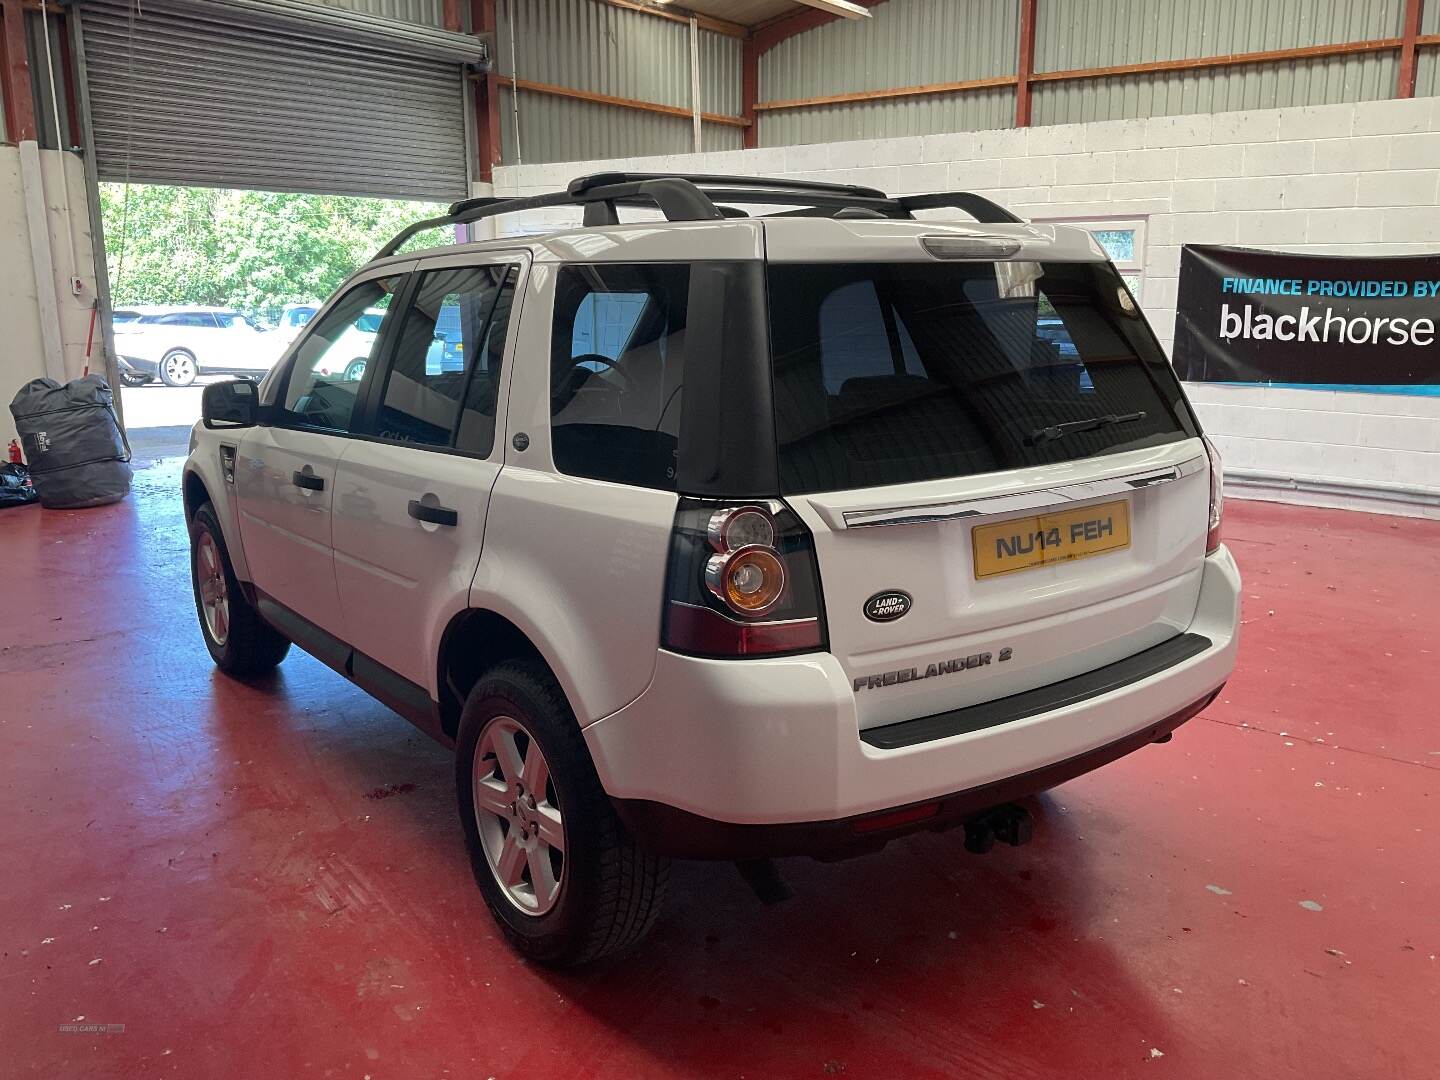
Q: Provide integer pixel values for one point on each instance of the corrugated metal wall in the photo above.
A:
(1074, 34)
(608, 50)
(913, 42)
(591, 46)
(903, 43)
(1427, 80)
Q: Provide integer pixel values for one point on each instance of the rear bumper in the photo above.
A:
(667, 830)
(716, 752)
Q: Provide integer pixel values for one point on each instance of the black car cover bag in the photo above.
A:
(72, 441)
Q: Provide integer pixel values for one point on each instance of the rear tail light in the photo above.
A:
(742, 581)
(1217, 498)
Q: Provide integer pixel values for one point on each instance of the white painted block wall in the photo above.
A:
(22, 348)
(1360, 179)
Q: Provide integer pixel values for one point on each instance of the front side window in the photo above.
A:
(616, 371)
(329, 363)
(443, 380)
(896, 373)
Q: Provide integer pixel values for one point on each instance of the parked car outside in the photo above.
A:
(730, 538)
(347, 356)
(293, 319)
(129, 314)
(177, 344)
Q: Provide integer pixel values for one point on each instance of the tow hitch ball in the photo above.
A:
(1010, 824)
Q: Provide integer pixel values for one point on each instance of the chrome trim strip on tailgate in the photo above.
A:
(1038, 499)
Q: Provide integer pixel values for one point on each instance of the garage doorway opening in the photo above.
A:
(212, 283)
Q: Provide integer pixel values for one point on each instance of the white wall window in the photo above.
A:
(1123, 240)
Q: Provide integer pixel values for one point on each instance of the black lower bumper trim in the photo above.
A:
(668, 830)
(1042, 699)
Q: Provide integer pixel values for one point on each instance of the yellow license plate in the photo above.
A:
(1046, 539)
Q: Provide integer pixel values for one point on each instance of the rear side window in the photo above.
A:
(616, 371)
(902, 372)
(445, 370)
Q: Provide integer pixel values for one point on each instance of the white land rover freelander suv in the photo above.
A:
(727, 536)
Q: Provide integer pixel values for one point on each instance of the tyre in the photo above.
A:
(240, 642)
(129, 379)
(177, 368)
(355, 370)
(557, 870)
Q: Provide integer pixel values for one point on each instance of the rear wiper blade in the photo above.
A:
(1094, 423)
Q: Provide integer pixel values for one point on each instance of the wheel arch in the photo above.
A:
(195, 493)
(474, 641)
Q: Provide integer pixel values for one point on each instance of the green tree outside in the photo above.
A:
(254, 251)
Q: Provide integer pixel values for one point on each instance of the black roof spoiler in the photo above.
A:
(692, 197)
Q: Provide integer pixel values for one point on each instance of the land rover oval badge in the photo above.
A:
(888, 606)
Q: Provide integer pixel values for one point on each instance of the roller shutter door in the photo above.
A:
(277, 95)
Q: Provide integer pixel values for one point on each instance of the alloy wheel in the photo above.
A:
(210, 584)
(518, 815)
(180, 368)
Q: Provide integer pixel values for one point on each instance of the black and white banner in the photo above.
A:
(1309, 320)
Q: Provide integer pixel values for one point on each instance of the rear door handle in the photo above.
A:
(436, 515)
(307, 481)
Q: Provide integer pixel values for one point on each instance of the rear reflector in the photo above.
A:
(896, 818)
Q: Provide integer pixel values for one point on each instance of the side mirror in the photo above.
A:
(230, 404)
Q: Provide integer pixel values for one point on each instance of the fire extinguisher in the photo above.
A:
(16, 457)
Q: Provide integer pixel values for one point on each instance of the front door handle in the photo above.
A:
(436, 515)
(307, 481)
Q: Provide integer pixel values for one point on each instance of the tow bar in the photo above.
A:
(1010, 824)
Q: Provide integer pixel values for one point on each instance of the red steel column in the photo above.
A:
(15, 74)
(1025, 66)
(1405, 82)
(750, 91)
(487, 93)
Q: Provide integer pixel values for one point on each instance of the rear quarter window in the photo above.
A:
(616, 371)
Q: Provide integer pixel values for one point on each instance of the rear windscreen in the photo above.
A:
(899, 372)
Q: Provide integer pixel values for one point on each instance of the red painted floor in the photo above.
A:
(269, 880)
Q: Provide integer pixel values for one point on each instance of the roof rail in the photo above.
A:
(705, 180)
(691, 197)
